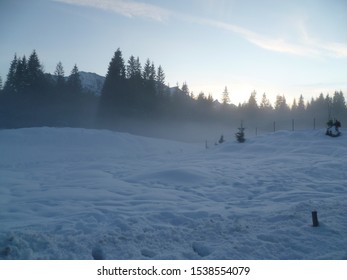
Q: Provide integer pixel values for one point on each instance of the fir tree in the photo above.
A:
(114, 92)
(338, 105)
(149, 91)
(147, 70)
(294, 106)
(225, 96)
(240, 135)
(301, 104)
(10, 84)
(134, 68)
(35, 75)
(160, 81)
(74, 83)
(185, 89)
(265, 103)
(21, 77)
(252, 102)
(59, 73)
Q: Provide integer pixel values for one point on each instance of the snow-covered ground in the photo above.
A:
(83, 194)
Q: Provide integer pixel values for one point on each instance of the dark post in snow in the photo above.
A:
(292, 124)
(274, 126)
(315, 219)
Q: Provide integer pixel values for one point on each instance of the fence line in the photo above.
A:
(289, 125)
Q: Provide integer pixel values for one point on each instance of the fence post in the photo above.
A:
(314, 123)
(315, 222)
(274, 126)
(292, 124)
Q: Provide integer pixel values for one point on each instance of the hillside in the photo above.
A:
(92, 82)
(83, 194)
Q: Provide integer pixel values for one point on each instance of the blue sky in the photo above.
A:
(277, 47)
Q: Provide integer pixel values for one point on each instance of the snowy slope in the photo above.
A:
(92, 82)
(83, 194)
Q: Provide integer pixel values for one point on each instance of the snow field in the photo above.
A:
(82, 194)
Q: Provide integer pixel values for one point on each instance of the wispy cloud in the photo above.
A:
(303, 46)
(264, 42)
(335, 49)
(125, 8)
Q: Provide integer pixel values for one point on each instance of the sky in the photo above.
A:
(270, 46)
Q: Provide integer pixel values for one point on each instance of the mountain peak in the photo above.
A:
(92, 82)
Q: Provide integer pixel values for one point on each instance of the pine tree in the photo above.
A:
(114, 91)
(281, 104)
(22, 81)
(240, 135)
(0, 84)
(35, 75)
(115, 76)
(147, 70)
(160, 81)
(134, 69)
(225, 96)
(185, 89)
(149, 91)
(265, 103)
(294, 106)
(252, 102)
(74, 83)
(59, 73)
(10, 84)
(338, 105)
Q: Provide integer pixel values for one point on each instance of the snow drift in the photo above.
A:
(83, 194)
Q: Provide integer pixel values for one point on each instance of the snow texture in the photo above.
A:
(95, 194)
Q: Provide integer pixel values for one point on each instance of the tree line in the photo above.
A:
(31, 97)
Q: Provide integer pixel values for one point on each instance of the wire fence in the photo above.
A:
(261, 127)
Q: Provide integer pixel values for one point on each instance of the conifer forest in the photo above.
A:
(137, 92)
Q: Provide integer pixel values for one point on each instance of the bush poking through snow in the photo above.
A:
(240, 135)
(333, 128)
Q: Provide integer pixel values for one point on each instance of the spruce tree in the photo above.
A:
(22, 81)
(149, 91)
(265, 103)
(185, 89)
(301, 104)
(160, 81)
(35, 75)
(147, 70)
(135, 90)
(134, 68)
(60, 79)
(240, 135)
(10, 84)
(114, 91)
(74, 83)
(338, 105)
(225, 96)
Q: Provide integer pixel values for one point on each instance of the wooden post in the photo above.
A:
(315, 222)
(274, 126)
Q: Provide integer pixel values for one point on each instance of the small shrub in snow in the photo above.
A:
(240, 135)
(333, 128)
